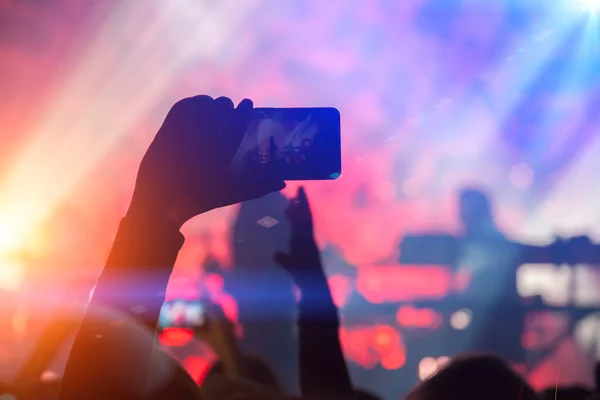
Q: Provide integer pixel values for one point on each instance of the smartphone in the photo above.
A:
(181, 314)
(293, 143)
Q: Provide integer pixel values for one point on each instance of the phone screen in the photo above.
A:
(293, 143)
(181, 314)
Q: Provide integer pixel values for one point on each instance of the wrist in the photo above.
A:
(144, 214)
(316, 299)
(144, 244)
(311, 280)
(318, 310)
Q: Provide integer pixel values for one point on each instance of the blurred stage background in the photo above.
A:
(434, 94)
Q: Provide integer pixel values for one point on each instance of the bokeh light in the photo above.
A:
(427, 367)
(393, 360)
(50, 376)
(175, 337)
(461, 319)
(443, 362)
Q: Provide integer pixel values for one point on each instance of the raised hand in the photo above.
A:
(299, 213)
(323, 372)
(187, 168)
(303, 261)
(217, 331)
(186, 171)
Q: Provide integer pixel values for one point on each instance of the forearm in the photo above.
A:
(113, 351)
(323, 369)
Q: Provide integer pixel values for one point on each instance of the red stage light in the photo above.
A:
(174, 337)
(214, 283)
(386, 339)
(394, 360)
(197, 367)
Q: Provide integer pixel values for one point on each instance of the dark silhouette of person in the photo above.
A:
(474, 377)
(491, 261)
(264, 291)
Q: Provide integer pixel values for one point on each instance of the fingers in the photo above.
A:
(224, 103)
(242, 116)
(299, 208)
(195, 103)
(235, 129)
(301, 197)
(246, 106)
(254, 183)
(301, 193)
(200, 99)
(183, 113)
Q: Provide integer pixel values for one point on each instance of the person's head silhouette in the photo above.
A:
(474, 377)
(475, 209)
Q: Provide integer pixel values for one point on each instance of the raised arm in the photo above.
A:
(323, 370)
(185, 172)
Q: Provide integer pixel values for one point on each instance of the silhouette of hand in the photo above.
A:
(303, 260)
(217, 331)
(187, 168)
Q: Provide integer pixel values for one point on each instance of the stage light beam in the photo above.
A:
(123, 94)
(6, 240)
(590, 5)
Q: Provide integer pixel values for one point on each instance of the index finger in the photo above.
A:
(300, 202)
(302, 199)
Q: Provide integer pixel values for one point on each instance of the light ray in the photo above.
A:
(77, 130)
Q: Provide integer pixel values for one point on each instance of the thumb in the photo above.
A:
(284, 260)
